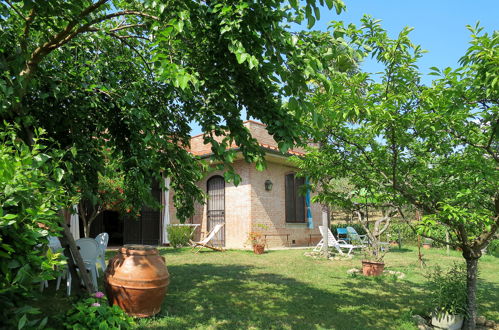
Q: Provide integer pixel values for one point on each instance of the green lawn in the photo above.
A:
(286, 290)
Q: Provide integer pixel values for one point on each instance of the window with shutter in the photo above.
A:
(294, 201)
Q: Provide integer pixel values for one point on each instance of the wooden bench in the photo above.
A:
(313, 235)
(284, 234)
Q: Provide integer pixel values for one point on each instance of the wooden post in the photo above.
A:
(325, 240)
(69, 245)
(447, 240)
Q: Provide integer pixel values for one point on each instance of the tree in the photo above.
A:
(136, 73)
(433, 148)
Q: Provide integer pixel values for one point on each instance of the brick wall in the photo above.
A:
(268, 207)
(250, 204)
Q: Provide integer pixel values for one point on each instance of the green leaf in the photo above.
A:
(22, 322)
(241, 57)
(59, 174)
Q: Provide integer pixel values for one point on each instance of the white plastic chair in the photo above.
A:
(102, 239)
(333, 242)
(206, 241)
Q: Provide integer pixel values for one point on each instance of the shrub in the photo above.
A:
(179, 235)
(403, 231)
(95, 313)
(493, 248)
(447, 290)
(32, 195)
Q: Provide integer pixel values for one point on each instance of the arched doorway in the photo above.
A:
(216, 207)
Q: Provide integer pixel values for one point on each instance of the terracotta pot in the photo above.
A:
(136, 280)
(427, 245)
(372, 268)
(258, 249)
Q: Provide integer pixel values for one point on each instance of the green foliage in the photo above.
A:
(402, 230)
(493, 248)
(179, 235)
(133, 75)
(30, 198)
(433, 148)
(95, 313)
(447, 290)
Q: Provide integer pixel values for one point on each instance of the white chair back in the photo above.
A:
(102, 239)
(331, 240)
(212, 233)
(54, 243)
(89, 250)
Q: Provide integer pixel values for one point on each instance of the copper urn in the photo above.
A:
(137, 279)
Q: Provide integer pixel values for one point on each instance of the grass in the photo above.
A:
(287, 290)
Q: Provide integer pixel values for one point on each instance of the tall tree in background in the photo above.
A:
(435, 148)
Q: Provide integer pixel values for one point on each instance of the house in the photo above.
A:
(270, 198)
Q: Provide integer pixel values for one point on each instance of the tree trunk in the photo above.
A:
(86, 227)
(471, 270)
(325, 246)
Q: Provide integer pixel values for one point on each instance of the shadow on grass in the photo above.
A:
(401, 250)
(237, 296)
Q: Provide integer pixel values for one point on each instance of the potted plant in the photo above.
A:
(375, 250)
(448, 297)
(373, 263)
(427, 243)
(257, 239)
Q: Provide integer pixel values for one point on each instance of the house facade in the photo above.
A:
(267, 201)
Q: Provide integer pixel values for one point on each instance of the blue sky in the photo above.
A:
(439, 25)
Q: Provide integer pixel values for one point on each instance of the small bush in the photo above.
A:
(447, 290)
(403, 231)
(179, 235)
(493, 248)
(95, 313)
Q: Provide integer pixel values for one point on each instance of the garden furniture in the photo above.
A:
(342, 234)
(205, 243)
(333, 242)
(102, 239)
(355, 237)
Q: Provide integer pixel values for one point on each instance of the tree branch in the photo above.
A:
(16, 10)
(125, 27)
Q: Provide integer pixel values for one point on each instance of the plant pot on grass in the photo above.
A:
(373, 263)
(427, 244)
(259, 249)
(447, 321)
(372, 268)
(257, 239)
(448, 297)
